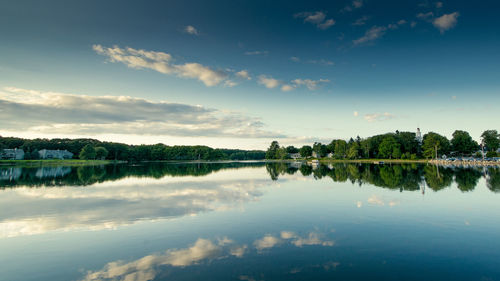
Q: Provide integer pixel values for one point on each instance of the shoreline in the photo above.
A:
(58, 162)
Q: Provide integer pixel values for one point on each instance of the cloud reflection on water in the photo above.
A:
(148, 267)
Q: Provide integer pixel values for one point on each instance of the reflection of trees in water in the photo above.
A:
(493, 179)
(306, 170)
(275, 169)
(398, 176)
(86, 175)
(437, 177)
(402, 177)
(467, 179)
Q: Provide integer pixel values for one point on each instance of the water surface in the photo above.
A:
(250, 221)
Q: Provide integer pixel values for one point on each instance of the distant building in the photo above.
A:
(419, 136)
(329, 155)
(54, 154)
(294, 155)
(52, 172)
(12, 154)
(10, 174)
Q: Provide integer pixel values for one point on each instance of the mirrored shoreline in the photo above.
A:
(405, 177)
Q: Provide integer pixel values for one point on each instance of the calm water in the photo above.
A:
(249, 221)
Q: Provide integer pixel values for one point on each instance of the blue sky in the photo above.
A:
(242, 73)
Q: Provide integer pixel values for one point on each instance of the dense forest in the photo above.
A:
(397, 145)
(95, 149)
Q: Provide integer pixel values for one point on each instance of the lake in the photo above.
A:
(250, 221)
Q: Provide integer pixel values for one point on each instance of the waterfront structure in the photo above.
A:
(294, 155)
(12, 154)
(419, 136)
(54, 154)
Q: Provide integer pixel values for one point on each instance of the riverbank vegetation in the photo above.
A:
(56, 162)
(91, 149)
(397, 145)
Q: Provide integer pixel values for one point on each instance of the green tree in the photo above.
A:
(292, 149)
(389, 148)
(408, 141)
(88, 152)
(101, 153)
(281, 153)
(491, 139)
(353, 151)
(463, 143)
(340, 150)
(305, 151)
(272, 150)
(366, 147)
(435, 145)
(320, 149)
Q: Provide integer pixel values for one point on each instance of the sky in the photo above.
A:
(239, 74)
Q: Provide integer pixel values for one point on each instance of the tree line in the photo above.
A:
(397, 145)
(95, 149)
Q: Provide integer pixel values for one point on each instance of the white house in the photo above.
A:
(294, 155)
(54, 154)
(12, 154)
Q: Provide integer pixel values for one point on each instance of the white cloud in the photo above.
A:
(61, 113)
(310, 84)
(326, 24)
(376, 32)
(356, 114)
(371, 34)
(126, 201)
(243, 74)
(361, 21)
(230, 83)
(256, 53)
(321, 62)
(238, 251)
(266, 242)
(161, 62)
(145, 268)
(312, 238)
(197, 71)
(446, 21)
(317, 18)
(425, 16)
(355, 4)
(268, 82)
(287, 88)
(315, 61)
(373, 117)
(191, 30)
(272, 83)
(287, 235)
(374, 200)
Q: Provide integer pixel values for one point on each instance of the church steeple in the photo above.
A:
(419, 136)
